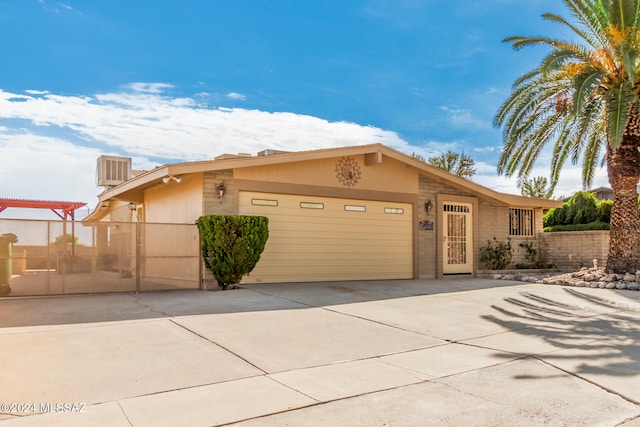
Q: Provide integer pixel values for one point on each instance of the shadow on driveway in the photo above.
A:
(69, 309)
(590, 334)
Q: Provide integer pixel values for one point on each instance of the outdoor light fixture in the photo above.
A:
(220, 189)
(132, 206)
(167, 179)
(428, 206)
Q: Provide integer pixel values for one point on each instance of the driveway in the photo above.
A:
(415, 352)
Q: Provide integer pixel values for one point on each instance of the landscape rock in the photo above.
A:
(584, 278)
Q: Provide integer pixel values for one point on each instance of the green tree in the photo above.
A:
(535, 187)
(231, 245)
(66, 239)
(457, 164)
(584, 99)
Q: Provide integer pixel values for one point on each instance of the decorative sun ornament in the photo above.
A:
(348, 171)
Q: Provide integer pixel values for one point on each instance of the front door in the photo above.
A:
(457, 238)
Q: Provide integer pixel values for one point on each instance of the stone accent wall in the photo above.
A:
(210, 203)
(571, 250)
(427, 190)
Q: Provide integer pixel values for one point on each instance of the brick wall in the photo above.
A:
(210, 201)
(570, 250)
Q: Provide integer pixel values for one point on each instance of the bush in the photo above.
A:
(581, 208)
(604, 210)
(596, 225)
(496, 255)
(531, 255)
(232, 245)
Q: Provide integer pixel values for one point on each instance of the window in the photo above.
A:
(520, 222)
(311, 205)
(355, 208)
(399, 211)
(264, 202)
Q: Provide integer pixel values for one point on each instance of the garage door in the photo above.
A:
(326, 239)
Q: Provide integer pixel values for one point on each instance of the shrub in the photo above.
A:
(604, 210)
(582, 208)
(596, 225)
(532, 257)
(232, 245)
(496, 255)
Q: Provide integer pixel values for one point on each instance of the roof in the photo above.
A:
(65, 208)
(132, 190)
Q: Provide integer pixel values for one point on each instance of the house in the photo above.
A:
(353, 213)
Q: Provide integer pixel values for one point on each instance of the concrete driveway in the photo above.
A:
(421, 352)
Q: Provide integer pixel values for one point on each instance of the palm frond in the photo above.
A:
(619, 103)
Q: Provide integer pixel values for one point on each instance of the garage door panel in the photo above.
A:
(331, 243)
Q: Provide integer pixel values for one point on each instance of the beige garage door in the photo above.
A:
(325, 239)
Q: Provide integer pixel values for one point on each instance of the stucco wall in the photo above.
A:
(571, 250)
(175, 202)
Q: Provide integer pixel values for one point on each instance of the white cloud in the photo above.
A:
(465, 119)
(148, 87)
(144, 124)
(236, 96)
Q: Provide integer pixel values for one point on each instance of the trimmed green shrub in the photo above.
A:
(496, 255)
(596, 225)
(604, 210)
(581, 208)
(232, 245)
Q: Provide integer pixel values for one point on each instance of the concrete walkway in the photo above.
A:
(422, 352)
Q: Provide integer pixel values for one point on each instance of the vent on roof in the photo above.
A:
(112, 170)
(232, 156)
(269, 152)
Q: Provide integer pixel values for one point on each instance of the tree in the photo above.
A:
(231, 245)
(535, 187)
(583, 98)
(457, 164)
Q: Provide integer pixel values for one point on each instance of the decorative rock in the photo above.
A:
(628, 277)
(593, 284)
(621, 285)
(582, 284)
(602, 285)
(497, 276)
(610, 285)
(637, 272)
(589, 278)
(610, 278)
(508, 277)
(633, 286)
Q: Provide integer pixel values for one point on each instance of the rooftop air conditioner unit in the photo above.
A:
(112, 170)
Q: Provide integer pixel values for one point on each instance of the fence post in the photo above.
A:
(137, 255)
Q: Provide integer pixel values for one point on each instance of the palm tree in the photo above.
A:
(535, 187)
(584, 97)
(457, 164)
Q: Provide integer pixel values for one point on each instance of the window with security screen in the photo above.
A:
(520, 222)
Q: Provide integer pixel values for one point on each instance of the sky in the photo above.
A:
(172, 81)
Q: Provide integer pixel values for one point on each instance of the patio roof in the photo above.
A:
(60, 208)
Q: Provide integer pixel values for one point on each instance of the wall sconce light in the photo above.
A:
(220, 190)
(428, 206)
(132, 207)
(167, 179)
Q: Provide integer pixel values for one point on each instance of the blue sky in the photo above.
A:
(164, 81)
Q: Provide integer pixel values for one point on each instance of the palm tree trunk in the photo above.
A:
(623, 168)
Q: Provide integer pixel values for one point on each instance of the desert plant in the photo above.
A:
(496, 255)
(532, 257)
(232, 245)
